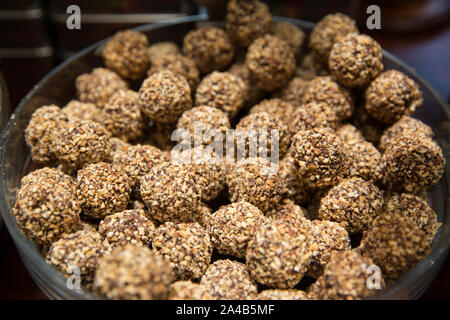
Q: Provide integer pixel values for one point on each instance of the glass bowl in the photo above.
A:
(58, 88)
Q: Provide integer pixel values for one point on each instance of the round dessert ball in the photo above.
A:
(209, 47)
(164, 96)
(127, 227)
(44, 126)
(292, 92)
(291, 34)
(324, 89)
(256, 181)
(395, 243)
(223, 91)
(309, 68)
(349, 133)
(177, 64)
(278, 255)
(320, 157)
(170, 193)
(364, 161)
(295, 188)
(353, 203)
(312, 115)
(270, 62)
(392, 95)
(187, 246)
(253, 94)
(102, 189)
(122, 117)
(133, 273)
(80, 143)
(413, 164)
(406, 126)
(98, 86)
(82, 249)
(77, 110)
(46, 207)
(160, 49)
(204, 123)
(277, 108)
(330, 29)
(232, 226)
(247, 20)
(126, 54)
(346, 277)
(371, 128)
(356, 60)
(288, 210)
(188, 290)
(282, 294)
(229, 280)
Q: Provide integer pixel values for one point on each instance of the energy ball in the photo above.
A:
(356, 60)
(346, 277)
(133, 273)
(80, 143)
(330, 29)
(177, 64)
(187, 246)
(353, 203)
(209, 47)
(371, 128)
(324, 89)
(188, 290)
(288, 210)
(46, 207)
(247, 20)
(293, 35)
(253, 94)
(392, 95)
(349, 133)
(232, 226)
(83, 250)
(278, 255)
(223, 91)
(282, 294)
(171, 193)
(275, 107)
(270, 62)
(313, 115)
(395, 243)
(122, 117)
(413, 164)
(164, 96)
(44, 126)
(406, 126)
(102, 189)
(292, 92)
(161, 49)
(229, 280)
(320, 157)
(364, 161)
(310, 68)
(127, 227)
(294, 187)
(98, 86)
(256, 181)
(77, 110)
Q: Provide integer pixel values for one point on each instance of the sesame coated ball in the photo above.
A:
(77, 110)
(287, 209)
(188, 290)
(295, 188)
(171, 193)
(44, 126)
(133, 273)
(209, 47)
(81, 142)
(292, 92)
(364, 161)
(253, 94)
(277, 108)
(282, 294)
(313, 115)
(353, 203)
(164, 96)
(98, 86)
(392, 95)
(127, 227)
(82, 249)
(232, 226)
(345, 277)
(177, 64)
(229, 280)
(349, 133)
(223, 91)
(270, 62)
(46, 207)
(160, 49)
(413, 164)
(355, 60)
(187, 246)
(122, 117)
(293, 35)
(320, 157)
(278, 255)
(247, 20)
(324, 89)
(330, 29)
(102, 189)
(395, 243)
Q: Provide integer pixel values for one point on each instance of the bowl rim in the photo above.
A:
(56, 279)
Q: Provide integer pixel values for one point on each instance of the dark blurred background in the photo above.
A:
(34, 39)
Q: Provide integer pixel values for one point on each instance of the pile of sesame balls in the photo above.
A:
(349, 192)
